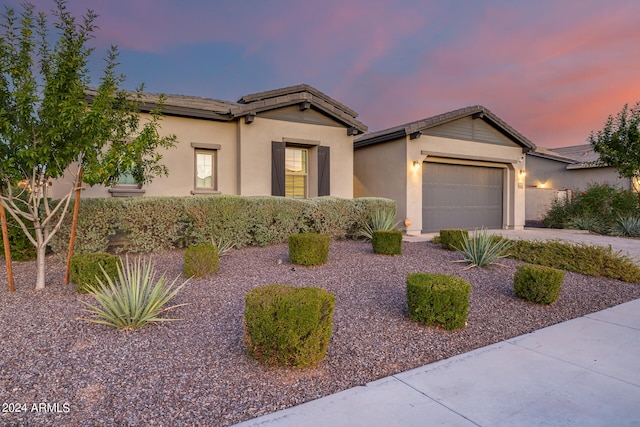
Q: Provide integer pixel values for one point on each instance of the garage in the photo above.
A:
(461, 196)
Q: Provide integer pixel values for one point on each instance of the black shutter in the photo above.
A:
(324, 179)
(277, 168)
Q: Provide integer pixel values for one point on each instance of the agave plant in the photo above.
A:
(381, 219)
(627, 226)
(483, 249)
(134, 299)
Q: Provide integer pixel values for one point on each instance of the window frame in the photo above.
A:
(210, 150)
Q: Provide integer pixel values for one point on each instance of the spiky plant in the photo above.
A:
(627, 226)
(381, 219)
(483, 249)
(134, 299)
(223, 246)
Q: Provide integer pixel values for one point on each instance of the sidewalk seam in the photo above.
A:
(435, 401)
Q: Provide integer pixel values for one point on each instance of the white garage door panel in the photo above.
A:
(461, 196)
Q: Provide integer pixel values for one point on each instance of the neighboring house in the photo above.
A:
(462, 169)
(555, 173)
(294, 141)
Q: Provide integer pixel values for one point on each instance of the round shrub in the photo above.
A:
(453, 239)
(201, 260)
(537, 283)
(309, 248)
(438, 299)
(288, 326)
(85, 269)
(387, 242)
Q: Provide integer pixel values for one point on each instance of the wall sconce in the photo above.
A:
(407, 222)
(415, 165)
(522, 174)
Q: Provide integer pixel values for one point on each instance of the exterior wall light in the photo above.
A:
(416, 165)
(407, 222)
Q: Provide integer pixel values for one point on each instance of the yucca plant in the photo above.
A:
(483, 249)
(223, 246)
(381, 219)
(134, 299)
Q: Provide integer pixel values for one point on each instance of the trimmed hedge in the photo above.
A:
(452, 239)
(438, 299)
(537, 283)
(387, 242)
(201, 260)
(85, 270)
(309, 249)
(150, 224)
(288, 326)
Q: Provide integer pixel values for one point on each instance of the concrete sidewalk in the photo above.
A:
(583, 372)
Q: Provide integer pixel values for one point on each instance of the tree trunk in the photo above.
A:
(41, 251)
(74, 223)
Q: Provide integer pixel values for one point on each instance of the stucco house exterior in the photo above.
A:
(462, 169)
(295, 141)
(555, 173)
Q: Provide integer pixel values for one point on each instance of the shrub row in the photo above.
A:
(151, 224)
(597, 261)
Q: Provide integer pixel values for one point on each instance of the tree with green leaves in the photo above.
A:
(52, 125)
(618, 144)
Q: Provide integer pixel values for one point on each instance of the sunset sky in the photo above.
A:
(553, 69)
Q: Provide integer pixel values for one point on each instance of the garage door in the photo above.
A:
(461, 196)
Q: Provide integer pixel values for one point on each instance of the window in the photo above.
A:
(205, 178)
(205, 166)
(296, 172)
(126, 178)
(301, 169)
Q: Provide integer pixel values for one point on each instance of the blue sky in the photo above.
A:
(553, 69)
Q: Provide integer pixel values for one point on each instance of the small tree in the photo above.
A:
(618, 143)
(50, 121)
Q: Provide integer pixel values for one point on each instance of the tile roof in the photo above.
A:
(419, 125)
(198, 107)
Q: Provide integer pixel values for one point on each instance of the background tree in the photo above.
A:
(50, 122)
(618, 143)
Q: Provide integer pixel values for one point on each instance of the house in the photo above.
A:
(295, 141)
(555, 173)
(462, 169)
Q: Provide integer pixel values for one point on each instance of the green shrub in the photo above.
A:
(151, 224)
(595, 209)
(452, 239)
(381, 219)
(537, 283)
(309, 248)
(134, 299)
(288, 326)
(387, 242)
(97, 223)
(483, 249)
(86, 270)
(438, 299)
(595, 261)
(201, 260)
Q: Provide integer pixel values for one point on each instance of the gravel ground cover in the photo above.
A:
(58, 370)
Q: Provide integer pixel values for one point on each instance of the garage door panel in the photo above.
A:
(461, 196)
